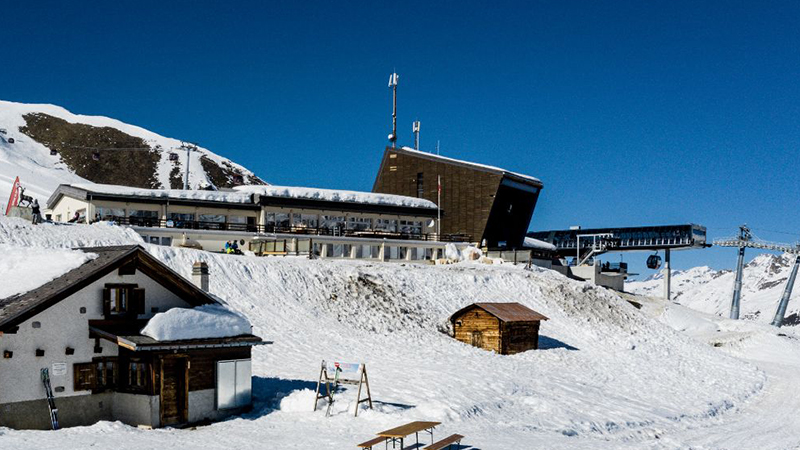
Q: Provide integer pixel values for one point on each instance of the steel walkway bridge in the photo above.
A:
(584, 243)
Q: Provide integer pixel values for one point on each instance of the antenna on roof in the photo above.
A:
(415, 129)
(437, 147)
(393, 84)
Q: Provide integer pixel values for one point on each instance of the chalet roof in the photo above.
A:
(18, 308)
(127, 335)
(507, 312)
(527, 179)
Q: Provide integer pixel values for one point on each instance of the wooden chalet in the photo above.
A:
(505, 328)
(85, 328)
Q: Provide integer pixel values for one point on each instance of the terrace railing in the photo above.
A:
(285, 229)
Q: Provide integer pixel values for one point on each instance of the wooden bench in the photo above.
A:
(446, 442)
(371, 442)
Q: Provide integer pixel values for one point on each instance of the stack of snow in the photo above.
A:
(335, 195)
(202, 322)
(178, 194)
(20, 232)
(23, 269)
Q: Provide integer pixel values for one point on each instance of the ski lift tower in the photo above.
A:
(745, 240)
(189, 147)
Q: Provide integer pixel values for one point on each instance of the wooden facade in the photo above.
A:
(479, 202)
(504, 328)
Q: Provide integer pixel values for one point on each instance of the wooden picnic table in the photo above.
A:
(400, 433)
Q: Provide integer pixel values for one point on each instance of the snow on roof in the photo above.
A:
(530, 242)
(335, 195)
(179, 194)
(23, 269)
(202, 322)
(469, 163)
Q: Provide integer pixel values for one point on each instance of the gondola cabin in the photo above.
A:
(505, 328)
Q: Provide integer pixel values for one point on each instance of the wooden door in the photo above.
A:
(477, 339)
(174, 390)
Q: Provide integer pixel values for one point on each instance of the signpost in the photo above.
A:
(342, 373)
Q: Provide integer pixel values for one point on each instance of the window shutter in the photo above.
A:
(137, 304)
(106, 302)
(84, 377)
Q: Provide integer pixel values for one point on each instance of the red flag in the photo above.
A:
(13, 200)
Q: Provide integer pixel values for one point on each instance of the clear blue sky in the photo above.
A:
(632, 113)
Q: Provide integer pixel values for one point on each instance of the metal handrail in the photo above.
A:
(283, 229)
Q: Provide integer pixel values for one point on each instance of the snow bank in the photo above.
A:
(15, 231)
(207, 321)
(335, 195)
(23, 269)
(451, 252)
(212, 196)
(471, 254)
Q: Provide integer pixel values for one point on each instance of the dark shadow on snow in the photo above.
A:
(547, 343)
(396, 405)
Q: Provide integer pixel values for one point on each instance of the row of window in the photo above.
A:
(233, 379)
(103, 374)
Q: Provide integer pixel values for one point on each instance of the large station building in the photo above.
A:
(481, 203)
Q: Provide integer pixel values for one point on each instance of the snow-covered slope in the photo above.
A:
(710, 291)
(36, 129)
(607, 375)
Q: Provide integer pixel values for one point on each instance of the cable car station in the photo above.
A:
(580, 246)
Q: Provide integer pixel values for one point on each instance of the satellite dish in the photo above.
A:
(431, 223)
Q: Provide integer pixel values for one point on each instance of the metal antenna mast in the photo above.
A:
(393, 84)
(415, 129)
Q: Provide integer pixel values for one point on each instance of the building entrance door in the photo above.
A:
(174, 390)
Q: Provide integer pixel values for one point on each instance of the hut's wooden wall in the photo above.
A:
(476, 320)
(519, 337)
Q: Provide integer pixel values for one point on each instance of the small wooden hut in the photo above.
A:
(505, 328)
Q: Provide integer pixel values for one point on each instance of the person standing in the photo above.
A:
(36, 213)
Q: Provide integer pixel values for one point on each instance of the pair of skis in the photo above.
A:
(51, 401)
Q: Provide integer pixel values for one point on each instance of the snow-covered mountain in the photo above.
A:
(29, 133)
(710, 291)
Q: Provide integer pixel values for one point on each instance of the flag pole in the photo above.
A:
(438, 207)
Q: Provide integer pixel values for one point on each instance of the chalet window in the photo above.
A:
(234, 384)
(98, 375)
(138, 375)
(106, 373)
(122, 300)
(420, 184)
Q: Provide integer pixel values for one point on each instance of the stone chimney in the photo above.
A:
(200, 275)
